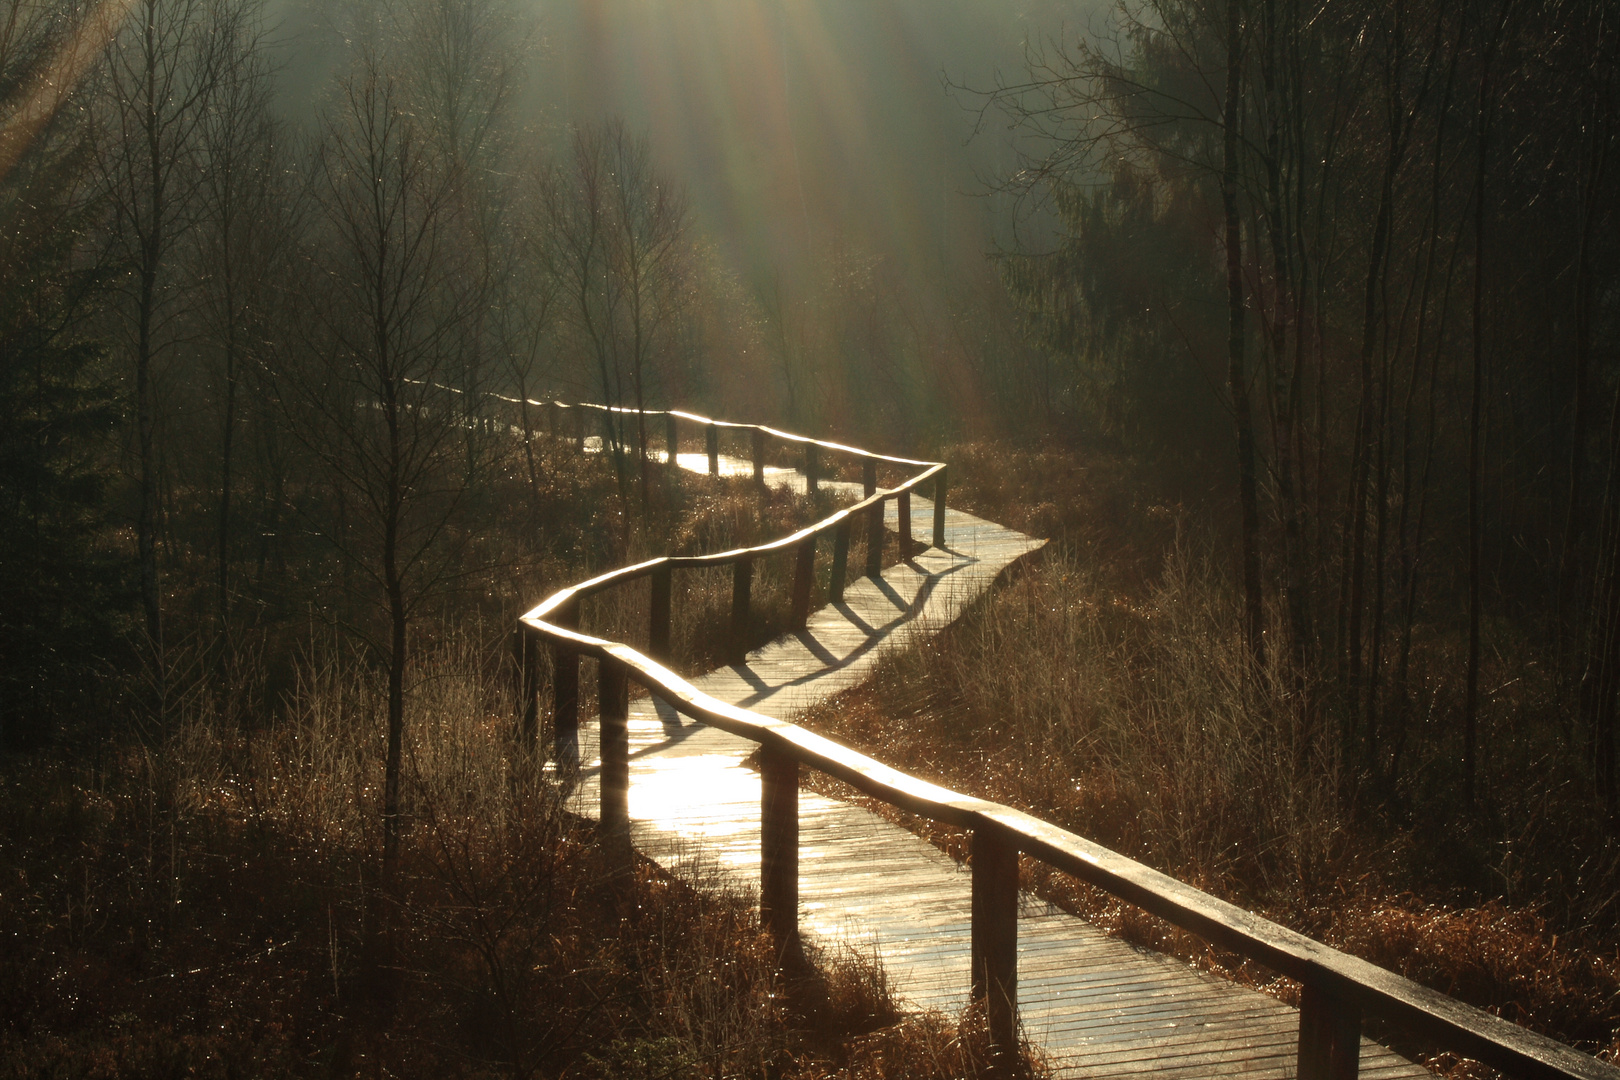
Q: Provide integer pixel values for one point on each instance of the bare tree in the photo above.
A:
(787, 332)
(243, 243)
(618, 230)
(160, 71)
(524, 319)
(645, 246)
(1237, 376)
(369, 398)
(463, 58)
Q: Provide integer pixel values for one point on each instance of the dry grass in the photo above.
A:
(1125, 716)
(1116, 717)
(208, 906)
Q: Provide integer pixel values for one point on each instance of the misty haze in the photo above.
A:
(800, 538)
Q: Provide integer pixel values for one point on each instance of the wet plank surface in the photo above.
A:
(1095, 1005)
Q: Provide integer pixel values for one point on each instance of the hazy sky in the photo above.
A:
(802, 123)
(798, 126)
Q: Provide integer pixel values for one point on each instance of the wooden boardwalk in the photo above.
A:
(1095, 1005)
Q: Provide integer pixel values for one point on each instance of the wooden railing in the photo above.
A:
(1338, 991)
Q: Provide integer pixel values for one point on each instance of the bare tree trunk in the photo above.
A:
(1253, 604)
(160, 71)
(527, 420)
(1600, 681)
(640, 345)
(1597, 153)
(1365, 414)
(1398, 122)
(397, 657)
(394, 589)
(238, 142)
(1286, 396)
(227, 446)
(145, 425)
(1475, 407)
(151, 255)
(1414, 561)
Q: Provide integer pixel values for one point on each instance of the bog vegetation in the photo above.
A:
(1305, 355)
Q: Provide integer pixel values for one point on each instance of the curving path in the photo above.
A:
(1095, 1005)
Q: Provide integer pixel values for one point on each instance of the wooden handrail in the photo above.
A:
(696, 418)
(1338, 989)
(726, 558)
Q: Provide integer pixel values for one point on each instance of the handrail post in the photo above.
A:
(672, 437)
(579, 428)
(711, 440)
(940, 485)
(565, 695)
(804, 570)
(1329, 1036)
(868, 478)
(742, 581)
(658, 622)
(526, 653)
(874, 540)
(994, 948)
(613, 741)
(902, 504)
(779, 849)
(840, 561)
(810, 467)
(519, 675)
(759, 458)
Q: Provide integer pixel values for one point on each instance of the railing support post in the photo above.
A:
(742, 582)
(840, 561)
(526, 653)
(672, 439)
(940, 484)
(613, 739)
(1329, 1036)
(658, 622)
(779, 849)
(711, 442)
(759, 458)
(804, 571)
(994, 947)
(869, 477)
(811, 467)
(565, 696)
(902, 504)
(874, 540)
(579, 428)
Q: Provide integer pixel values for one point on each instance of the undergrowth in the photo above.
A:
(208, 905)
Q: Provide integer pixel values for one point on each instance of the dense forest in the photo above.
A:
(1317, 304)
(1386, 232)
